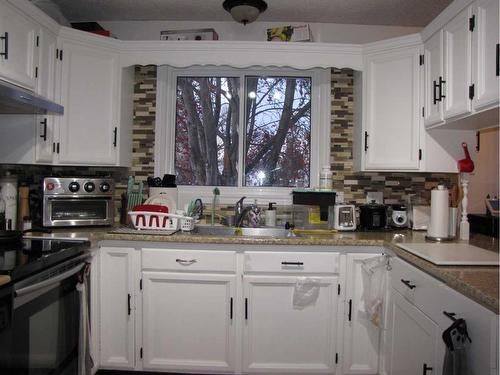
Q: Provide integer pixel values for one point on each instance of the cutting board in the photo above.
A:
(452, 254)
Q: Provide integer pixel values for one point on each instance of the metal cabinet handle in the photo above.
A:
(44, 135)
(298, 264)
(497, 68)
(27, 98)
(128, 303)
(115, 134)
(408, 284)
(434, 93)
(246, 308)
(185, 262)
(441, 81)
(231, 309)
(366, 141)
(5, 52)
(425, 369)
(349, 316)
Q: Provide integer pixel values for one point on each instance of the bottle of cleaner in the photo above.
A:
(271, 215)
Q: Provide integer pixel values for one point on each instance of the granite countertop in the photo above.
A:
(480, 283)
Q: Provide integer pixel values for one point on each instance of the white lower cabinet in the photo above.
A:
(118, 273)
(413, 346)
(281, 338)
(191, 310)
(361, 337)
(188, 322)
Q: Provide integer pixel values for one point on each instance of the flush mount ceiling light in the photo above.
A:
(245, 11)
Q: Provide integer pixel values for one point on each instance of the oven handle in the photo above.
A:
(49, 282)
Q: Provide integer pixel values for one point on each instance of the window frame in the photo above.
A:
(165, 130)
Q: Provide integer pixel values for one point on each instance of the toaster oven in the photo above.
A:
(77, 201)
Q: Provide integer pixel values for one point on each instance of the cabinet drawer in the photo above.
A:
(189, 260)
(282, 262)
(417, 287)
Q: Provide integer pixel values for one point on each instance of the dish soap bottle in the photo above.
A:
(271, 215)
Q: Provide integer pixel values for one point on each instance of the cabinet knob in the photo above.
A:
(425, 369)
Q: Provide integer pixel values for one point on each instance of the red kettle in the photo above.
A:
(465, 165)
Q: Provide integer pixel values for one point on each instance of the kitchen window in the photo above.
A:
(261, 131)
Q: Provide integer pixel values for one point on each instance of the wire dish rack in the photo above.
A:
(148, 220)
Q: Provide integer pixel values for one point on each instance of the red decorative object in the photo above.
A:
(465, 165)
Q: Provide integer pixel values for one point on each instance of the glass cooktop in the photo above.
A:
(34, 255)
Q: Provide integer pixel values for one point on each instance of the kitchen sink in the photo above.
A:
(245, 232)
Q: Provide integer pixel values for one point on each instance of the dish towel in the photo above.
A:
(456, 339)
(85, 362)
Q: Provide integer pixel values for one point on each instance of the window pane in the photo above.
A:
(206, 131)
(278, 131)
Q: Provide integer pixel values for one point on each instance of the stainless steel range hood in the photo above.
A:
(16, 100)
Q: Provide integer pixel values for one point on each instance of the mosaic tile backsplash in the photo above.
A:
(354, 185)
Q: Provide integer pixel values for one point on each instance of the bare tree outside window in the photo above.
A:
(277, 122)
(206, 131)
(278, 131)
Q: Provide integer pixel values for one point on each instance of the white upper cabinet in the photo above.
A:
(461, 69)
(17, 46)
(391, 109)
(89, 93)
(433, 73)
(454, 88)
(485, 62)
(46, 63)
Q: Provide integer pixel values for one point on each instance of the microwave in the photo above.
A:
(75, 201)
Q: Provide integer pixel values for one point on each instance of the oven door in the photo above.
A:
(43, 335)
(66, 211)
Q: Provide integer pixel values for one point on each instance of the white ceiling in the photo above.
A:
(366, 12)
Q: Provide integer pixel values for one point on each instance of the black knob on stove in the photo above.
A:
(105, 187)
(74, 186)
(89, 187)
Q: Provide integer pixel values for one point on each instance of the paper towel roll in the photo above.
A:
(439, 223)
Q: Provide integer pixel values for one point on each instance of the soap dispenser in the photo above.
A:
(271, 215)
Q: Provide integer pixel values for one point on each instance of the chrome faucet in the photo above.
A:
(240, 212)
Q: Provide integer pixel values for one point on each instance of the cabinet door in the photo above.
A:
(17, 46)
(119, 270)
(433, 68)
(393, 109)
(361, 336)
(413, 340)
(88, 94)
(44, 139)
(188, 322)
(485, 62)
(46, 81)
(281, 338)
(457, 65)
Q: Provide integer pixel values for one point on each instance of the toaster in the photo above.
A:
(344, 217)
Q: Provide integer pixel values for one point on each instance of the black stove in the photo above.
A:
(34, 255)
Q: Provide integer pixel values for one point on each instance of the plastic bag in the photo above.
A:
(374, 278)
(306, 292)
